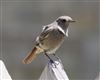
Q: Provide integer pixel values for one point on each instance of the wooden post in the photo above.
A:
(54, 71)
(4, 75)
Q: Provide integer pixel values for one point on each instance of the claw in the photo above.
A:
(53, 64)
(51, 61)
(57, 57)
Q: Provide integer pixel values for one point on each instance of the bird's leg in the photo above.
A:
(49, 58)
(56, 56)
(51, 61)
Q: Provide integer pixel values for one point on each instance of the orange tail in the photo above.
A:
(31, 56)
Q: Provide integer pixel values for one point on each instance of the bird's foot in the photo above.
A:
(57, 57)
(52, 62)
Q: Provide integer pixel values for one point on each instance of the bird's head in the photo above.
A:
(63, 23)
(65, 19)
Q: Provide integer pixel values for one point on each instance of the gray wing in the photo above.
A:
(45, 33)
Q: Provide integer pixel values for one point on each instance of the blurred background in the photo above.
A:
(22, 20)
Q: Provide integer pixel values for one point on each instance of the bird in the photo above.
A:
(50, 38)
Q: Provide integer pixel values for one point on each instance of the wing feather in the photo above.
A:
(45, 33)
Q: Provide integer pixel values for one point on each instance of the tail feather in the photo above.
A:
(31, 56)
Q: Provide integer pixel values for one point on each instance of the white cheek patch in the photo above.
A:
(61, 29)
(67, 33)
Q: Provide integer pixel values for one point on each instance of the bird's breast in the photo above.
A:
(53, 41)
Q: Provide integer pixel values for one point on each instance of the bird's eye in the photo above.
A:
(63, 20)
